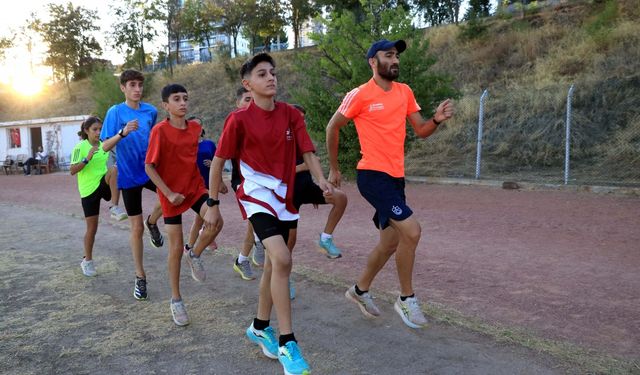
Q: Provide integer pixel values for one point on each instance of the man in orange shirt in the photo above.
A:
(379, 109)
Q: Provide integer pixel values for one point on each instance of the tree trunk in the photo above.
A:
(235, 44)
(177, 48)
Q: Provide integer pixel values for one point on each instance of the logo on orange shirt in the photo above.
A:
(376, 107)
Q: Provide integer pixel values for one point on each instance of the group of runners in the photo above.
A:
(274, 172)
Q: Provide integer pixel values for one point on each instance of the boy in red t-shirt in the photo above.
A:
(266, 137)
(171, 165)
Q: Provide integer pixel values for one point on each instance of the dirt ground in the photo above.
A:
(558, 266)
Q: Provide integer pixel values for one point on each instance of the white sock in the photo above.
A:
(325, 236)
(242, 258)
(255, 237)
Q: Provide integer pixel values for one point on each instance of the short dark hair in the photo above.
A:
(299, 108)
(130, 75)
(86, 124)
(251, 64)
(240, 91)
(172, 88)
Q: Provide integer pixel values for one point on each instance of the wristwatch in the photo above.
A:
(85, 160)
(212, 202)
(121, 133)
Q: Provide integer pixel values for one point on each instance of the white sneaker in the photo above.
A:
(364, 302)
(197, 267)
(117, 213)
(410, 312)
(88, 268)
(179, 313)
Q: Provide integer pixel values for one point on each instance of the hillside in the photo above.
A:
(527, 66)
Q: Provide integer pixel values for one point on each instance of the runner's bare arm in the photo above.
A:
(333, 134)
(425, 128)
(212, 218)
(316, 170)
(110, 143)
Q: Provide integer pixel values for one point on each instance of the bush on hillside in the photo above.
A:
(339, 65)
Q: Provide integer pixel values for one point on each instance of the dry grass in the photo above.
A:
(526, 64)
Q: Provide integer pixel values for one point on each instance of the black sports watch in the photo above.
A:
(85, 161)
(212, 202)
(121, 133)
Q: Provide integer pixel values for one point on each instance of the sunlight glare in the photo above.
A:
(27, 84)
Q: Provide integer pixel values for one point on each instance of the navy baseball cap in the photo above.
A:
(385, 45)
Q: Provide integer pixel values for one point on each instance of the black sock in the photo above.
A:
(360, 292)
(260, 324)
(283, 339)
(403, 298)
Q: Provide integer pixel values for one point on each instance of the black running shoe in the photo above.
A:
(156, 237)
(140, 289)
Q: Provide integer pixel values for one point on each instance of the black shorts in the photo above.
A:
(196, 207)
(306, 191)
(265, 226)
(386, 194)
(132, 198)
(91, 203)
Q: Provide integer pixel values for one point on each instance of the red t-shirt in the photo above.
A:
(173, 152)
(268, 141)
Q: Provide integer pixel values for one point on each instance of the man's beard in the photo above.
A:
(385, 71)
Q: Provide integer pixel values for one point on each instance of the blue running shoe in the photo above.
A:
(327, 247)
(291, 359)
(266, 339)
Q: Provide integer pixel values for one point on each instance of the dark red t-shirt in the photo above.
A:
(267, 141)
(173, 152)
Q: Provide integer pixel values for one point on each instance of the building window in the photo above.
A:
(14, 138)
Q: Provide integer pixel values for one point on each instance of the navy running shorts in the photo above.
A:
(386, 194)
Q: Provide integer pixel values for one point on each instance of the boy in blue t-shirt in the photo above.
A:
(128, 126)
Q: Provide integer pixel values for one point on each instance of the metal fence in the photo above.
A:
(586, 133)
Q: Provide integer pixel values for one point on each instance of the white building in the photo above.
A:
(56, 135)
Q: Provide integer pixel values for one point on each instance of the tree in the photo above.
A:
(200, 19)
(173, 30)
(299, 12)
(478, 9)
(235, 13)
(135, 26)
(68, 35)
(437, 12)
(339, 64)
(5, 43)
(265, 22)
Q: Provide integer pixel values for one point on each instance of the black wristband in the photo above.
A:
(435, 122)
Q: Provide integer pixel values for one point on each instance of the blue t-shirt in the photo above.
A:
(206, 151)
(132, 149)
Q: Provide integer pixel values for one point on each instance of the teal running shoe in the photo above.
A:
(291, 359)
(266, 339)
(327, 247)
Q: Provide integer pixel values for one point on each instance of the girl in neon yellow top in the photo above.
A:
(89, 162)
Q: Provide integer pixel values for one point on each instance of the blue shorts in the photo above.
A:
(385, 194)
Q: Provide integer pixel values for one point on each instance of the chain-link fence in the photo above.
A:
(523, 136)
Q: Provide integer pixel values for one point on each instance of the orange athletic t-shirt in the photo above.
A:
(173, 152)
(380, 117)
